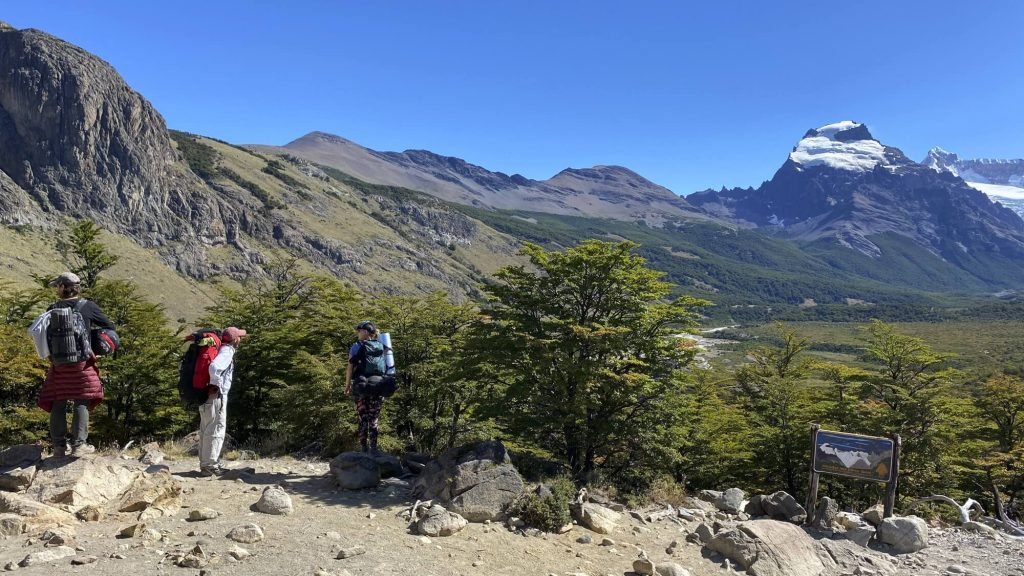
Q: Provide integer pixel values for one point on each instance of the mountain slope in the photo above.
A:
(841, 188)
(601, 191)
(1001, 180)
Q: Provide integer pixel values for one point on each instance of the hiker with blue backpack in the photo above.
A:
(368, 381)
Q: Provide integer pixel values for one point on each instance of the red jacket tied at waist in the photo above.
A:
(79, 381)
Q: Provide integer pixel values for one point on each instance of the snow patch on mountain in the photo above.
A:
(999, 190)
(824, 147)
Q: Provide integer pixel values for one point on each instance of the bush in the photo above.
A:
(201, 158)
(548, 512)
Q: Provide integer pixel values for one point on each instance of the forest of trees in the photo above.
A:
(572, 361)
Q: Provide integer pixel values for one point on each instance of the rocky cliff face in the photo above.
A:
(76, 140)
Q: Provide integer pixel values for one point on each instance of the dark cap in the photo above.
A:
(366, 325)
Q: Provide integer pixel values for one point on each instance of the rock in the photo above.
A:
(860, 534)
(782, 506)
(825, 515)
(18, 466)
(904, 533)
(350, 552)
(643, 566)
(874, 514)
(246, 533)
(159, 492)
(83, 560)
(48, 555)
(133, 531)
(151, 454)
(709, 495)
(238, 553)
(585, 539)
(595, 517)
(731, 500)
(81, 482)
(685, 514)
(355, 470)
(704, 533)
(11, 525)
(769, 548)
(973, 526)
(671, 569)
(200, 514)
(275, 501)
(437, 521)
(754, 507)
(90, 513)
(607, 542)
(846, 557)
(848, 519)
(477, 481)
(62, 536)
(390, 466)
(37, 516)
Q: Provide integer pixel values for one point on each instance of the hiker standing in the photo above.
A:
(73, 375)
(213, 414)
(365, 359)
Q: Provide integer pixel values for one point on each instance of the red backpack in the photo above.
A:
(194, 371)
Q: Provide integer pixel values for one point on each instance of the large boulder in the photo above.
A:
(754, 506)
(769, 548)
(782, 506)
(825, 515)
(157, 494)
(11, 525)
(355, 470)
(437, 521)
(904, 533)
(390, 466)
(37, 516)
(275, 501)
(846, 557)
(595, 517)
(81, 482)
(18, 466)
(874, 515)
(477, 481)
(731, 500)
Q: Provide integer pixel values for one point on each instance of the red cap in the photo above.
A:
(232, 334)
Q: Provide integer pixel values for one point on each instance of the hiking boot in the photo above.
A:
(60, 451)
(208, 471)
(79, 450)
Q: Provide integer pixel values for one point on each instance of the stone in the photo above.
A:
(79, 482)
(846, 557)
(731, 500)
(825, 515)
(37, 516)
(61, 536)
(607, 542)
(874, 514)
(238, 553)
(11, 525)
(355, 470)
(48, 555)
(83, 560)
(709, 495)
(151, 454)
(904, 534)
(275, 501)
(643, 566)
(704, 533)
(754, 507)
(160, 492)
(585, 539)
(246, 533)
(437, 521)
(477, 481)
(200, 514)
(973, 526)
(90, 513)
(595, 517)
(782, 506)
(769, 548)
(133, 531)
(849, 519)
(860, 534)
(18, 466)
(350, 552)
(390, 466)
(671, 569)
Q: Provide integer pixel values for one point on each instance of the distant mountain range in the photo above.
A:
(1002, 180)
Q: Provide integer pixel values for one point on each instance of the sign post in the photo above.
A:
(856, 456)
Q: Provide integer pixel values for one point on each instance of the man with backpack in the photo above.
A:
(365, 366)
(213, 414)
(73, 375)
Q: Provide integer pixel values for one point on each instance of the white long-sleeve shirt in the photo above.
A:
(223, 368)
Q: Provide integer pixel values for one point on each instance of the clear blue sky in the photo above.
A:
(690, 94)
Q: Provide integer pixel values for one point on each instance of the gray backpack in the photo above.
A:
(67, 335)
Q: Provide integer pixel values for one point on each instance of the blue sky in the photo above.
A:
(690, 94)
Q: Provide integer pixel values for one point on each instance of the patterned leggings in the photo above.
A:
(368, 408)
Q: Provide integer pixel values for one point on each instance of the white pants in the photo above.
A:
(213, 425)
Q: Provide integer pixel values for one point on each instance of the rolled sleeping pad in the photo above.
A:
(389, 354)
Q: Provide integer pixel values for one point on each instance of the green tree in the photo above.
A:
(84, 253)
(1000, 402)
(716, 449)
(582, 346)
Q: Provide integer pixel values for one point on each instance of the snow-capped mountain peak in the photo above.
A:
(942, 161)
(845, 145)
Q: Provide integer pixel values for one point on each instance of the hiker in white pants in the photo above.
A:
(213, 414)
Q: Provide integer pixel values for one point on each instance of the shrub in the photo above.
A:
(548, 512)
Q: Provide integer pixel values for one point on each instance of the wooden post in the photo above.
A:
(812, 493)
(890, 492)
